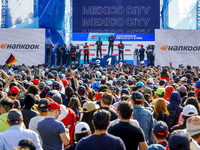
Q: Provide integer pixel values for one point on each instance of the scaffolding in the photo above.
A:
(68, 23)
(198, 14)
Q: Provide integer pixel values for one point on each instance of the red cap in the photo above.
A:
(36, 81)
(65, 82)
(53, 105)
(14, 90)
(98, 97)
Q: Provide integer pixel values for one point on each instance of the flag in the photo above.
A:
(11, 60)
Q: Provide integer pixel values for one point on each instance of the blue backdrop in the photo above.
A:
(116, 16)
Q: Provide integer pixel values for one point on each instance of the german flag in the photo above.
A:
(11, 60)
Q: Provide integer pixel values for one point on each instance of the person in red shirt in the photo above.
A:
(121, 51)
(86, 50)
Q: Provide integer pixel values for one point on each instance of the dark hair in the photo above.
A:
(74, 102)
(29, 100)
(193, 101)
(80, 136)
(107, 98)
(103, 88)
(196, 136)
(27, 143)
(191, 94)
(33, 89)
(7, 104)
(50, 76)
(88, 117)
(125, 109)
(163, 137)
(125, 98)
(69, 92)
(101, 119)
(162, 82)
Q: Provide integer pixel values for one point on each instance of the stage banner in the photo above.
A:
(178, 47)
(116, 16)
(26, 45)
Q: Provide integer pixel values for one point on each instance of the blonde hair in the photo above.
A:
(160, 106)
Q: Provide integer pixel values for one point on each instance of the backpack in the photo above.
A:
(172, 118)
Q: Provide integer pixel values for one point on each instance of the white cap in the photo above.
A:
(82, 127)
(150, 80)
(184, 79)
(49, 83)
(189, 110)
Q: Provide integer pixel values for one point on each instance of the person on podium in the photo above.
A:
(99, 44)
(111, 40)
(86, 50)
(121, 51)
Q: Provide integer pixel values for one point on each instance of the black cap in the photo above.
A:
(42, 105)
(137, 96)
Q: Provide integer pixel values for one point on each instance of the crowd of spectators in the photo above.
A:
(95, 108)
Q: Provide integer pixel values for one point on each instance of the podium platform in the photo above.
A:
(105, 61)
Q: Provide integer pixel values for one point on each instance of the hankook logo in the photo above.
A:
(180, 48)
(19, 46)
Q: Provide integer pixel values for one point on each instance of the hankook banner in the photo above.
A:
(26, 45)
(178, 47)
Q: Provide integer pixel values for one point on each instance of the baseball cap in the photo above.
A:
(36, 81)
(95, 86)
(14, 116)
(81, 89)
(125, 86)
(147, 90)
(189, 110)
(124, 91)
(57, 99)
(177, 79)
(184, 79)
(192, 129)
(90, 106)
(139, 84)
(41, 85)
(46, 89)
(42, 105)
(50, 93)
(82, 127)
(150, 80)
(98, 96)
(49, 83)
(123, 82)
(14, 90)
(179, 141)
(137, 96)
(113, 88)
(197, 84)
(182, 89)
(160, 128)
(87, 76)
(56, 85)
(53, 105)
(65, 82)
(156, 147)
(160, 91)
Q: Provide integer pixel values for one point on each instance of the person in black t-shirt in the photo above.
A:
(141, 51)
(106, 101)
(101, 140)
(111, 40)
(131, 135)
(99, 44)
(48, 53)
